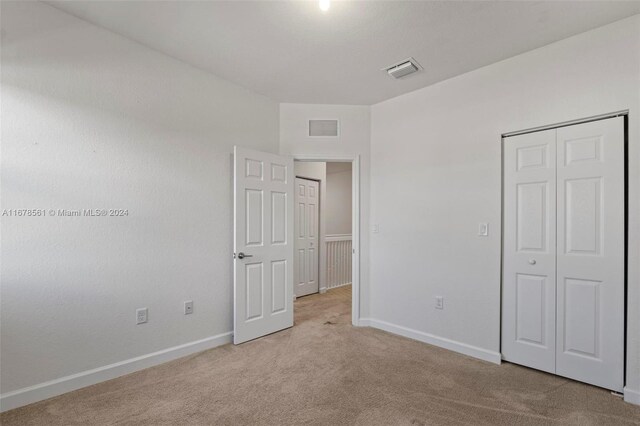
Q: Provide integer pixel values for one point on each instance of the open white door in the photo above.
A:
(263, 243)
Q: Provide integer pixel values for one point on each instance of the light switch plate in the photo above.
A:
(439, 302)
(376, 228)
(142, 315)
(483, 229)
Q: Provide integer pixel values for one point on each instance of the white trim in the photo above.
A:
(566, 123)
(355, 223)
(631, 396)
(337, 286)
(364, 322)
(52, 388)
(337, 237)
(452, 345)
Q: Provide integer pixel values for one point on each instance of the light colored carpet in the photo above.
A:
(323, 371)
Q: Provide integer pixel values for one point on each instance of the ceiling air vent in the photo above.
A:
(326, 128)
(403, 69)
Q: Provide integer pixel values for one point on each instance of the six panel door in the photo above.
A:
(263, 244)
(306, 237)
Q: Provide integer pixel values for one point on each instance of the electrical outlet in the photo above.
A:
(439, 302)
(188, 307)
(142, 315)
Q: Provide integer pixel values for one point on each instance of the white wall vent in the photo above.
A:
(403, 68)
(323, 128)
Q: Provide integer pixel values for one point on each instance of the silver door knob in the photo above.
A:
(241, 255)
(532, 261)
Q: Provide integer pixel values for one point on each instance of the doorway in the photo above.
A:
(323, 226)
(327, 266)
(263, 241)
(563, 294)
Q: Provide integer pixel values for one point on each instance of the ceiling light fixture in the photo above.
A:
(324, 5)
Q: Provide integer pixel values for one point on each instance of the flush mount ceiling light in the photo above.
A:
(324, 5)
(403, 68)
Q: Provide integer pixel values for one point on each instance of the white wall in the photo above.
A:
(435, 161)
(354, 139)
(93, 120)
(338, 199)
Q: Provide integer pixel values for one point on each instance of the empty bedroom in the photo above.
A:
(325, 212)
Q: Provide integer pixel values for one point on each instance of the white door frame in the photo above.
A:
(355, 222)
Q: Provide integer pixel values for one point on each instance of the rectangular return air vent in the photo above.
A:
(326, 128)
(404, 68)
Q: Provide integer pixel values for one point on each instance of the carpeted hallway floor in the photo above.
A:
(323, 371)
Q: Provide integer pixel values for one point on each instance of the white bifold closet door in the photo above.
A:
(563, 266)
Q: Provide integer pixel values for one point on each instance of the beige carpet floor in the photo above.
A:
(323, 371)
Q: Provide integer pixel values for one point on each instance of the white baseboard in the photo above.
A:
(364, 322)
(338, 286)
(632, 396)
(52, 388)
(452, 345)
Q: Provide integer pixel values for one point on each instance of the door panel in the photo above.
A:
(529, 282)
(581, 315)
(279, 217)
(531, 307)
(278, 286)
(263, 226)
(306, 231)
(254, 283)
(590, 272)
(532, 216)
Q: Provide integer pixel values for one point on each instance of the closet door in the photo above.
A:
(590, 258)
(529, 264)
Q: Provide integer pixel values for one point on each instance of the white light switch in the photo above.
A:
(141, 315)
(483, 230)
(376, 228)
